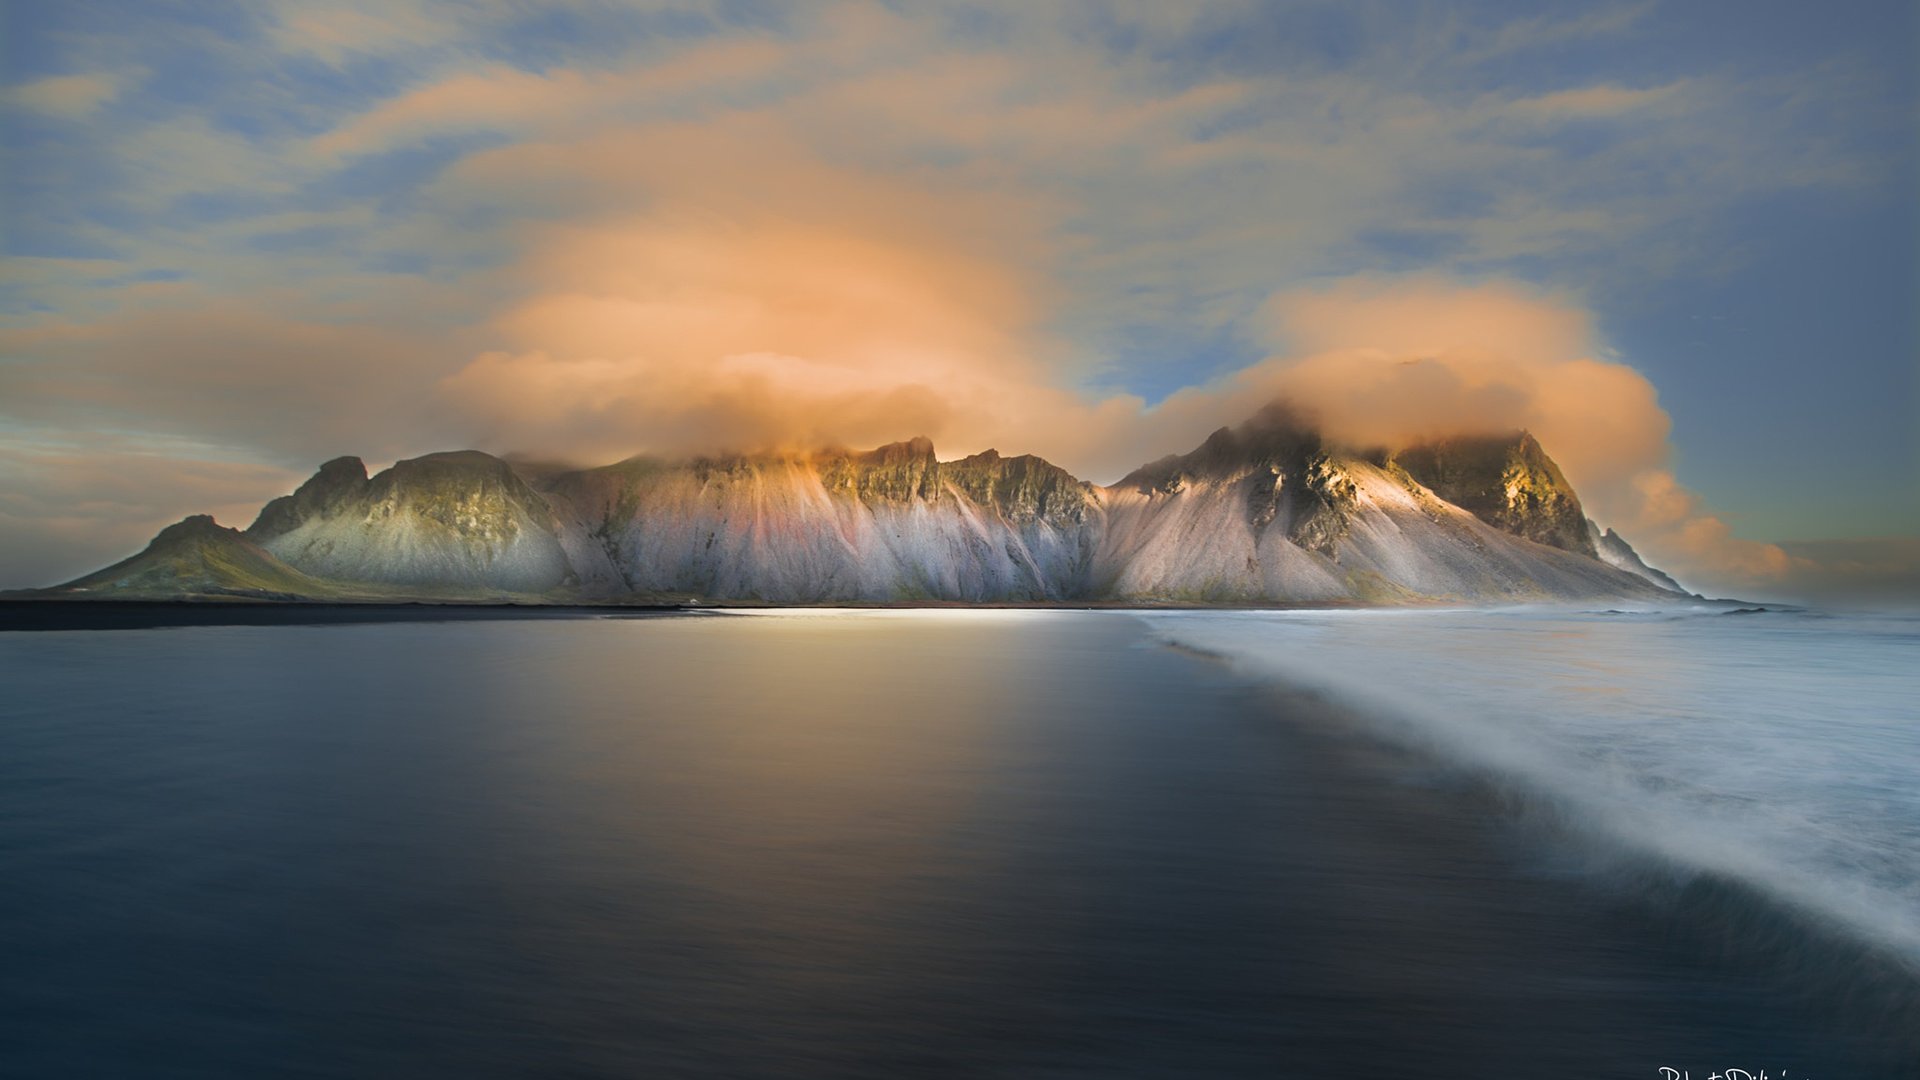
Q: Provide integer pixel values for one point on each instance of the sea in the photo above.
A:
(965, 842)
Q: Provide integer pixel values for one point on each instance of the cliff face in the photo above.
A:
(1267, 511)
(333, 491)
(461, 520)
(1614, 550)
(892, 523)
(1508, 482)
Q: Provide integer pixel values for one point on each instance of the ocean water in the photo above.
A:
(1778, 750)
(963, 843)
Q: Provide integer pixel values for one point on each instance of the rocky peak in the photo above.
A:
(469, 492)
(341, 472)
(1507, 481)
(897, 472)
(339, 484)
(1276, 436)
(1279, 461)
(1614, 550)
(1024, 488)
(187, 530)
(1325, 504)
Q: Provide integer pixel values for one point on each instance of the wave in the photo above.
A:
(1848, 920)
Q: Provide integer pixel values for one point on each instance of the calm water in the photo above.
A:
(962, 843)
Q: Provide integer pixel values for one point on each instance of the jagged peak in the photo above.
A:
(1279, 433)
(1506, 480)
(193, 526)
(919, 448)
(345, 467)
(1614, 550)
(335, 483)
(1048, 533)
(451, 460)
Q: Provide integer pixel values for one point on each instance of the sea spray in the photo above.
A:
(1778, 753)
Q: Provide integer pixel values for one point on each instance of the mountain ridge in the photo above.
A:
(1265, 512)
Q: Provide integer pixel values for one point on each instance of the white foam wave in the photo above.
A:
(1782, 752)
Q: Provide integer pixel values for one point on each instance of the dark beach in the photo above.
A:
(40, 615)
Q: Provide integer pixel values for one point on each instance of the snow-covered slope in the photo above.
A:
(1266, 512)
(1613, 549)
(891, 524)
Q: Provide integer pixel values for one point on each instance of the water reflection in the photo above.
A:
(833, 844)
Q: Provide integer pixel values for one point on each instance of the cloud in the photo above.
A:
(1008, 226)
(1388, 362)
(271, 374)
(340, 31)
(70, 97)
(1875, 572)
(505, 99)
(842, 310)
(1596, 101)
(1598, 20)
(766, 298)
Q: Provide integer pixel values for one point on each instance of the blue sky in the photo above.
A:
(242, 238)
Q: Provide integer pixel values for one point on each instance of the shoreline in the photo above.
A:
(1837, 975)
(1707, 917)
(29, 616)
(27, 613)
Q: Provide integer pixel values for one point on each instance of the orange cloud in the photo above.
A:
(765, 298)
(509, 99)
(1595, 101)
(1384, 363)
(269, 373)
(862, 232)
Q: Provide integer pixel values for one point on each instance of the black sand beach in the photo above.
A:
(31, 615)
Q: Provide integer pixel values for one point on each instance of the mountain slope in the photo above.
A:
(1268, 512)
(1265, 512)
(196, 558)
(890, 524)
(1508, 482)
(1613, 549)
(461, 520)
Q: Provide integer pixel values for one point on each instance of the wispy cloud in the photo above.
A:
(1596, 101)
(70, 97)
(603, 226)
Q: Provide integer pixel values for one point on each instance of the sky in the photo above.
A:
(1680, 242)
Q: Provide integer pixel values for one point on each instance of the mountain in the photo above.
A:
(1613, 549)
(1268, 511)
(461, 520)
(1265, 512)
(197, 558)
(894, 523)
(1508, 482)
